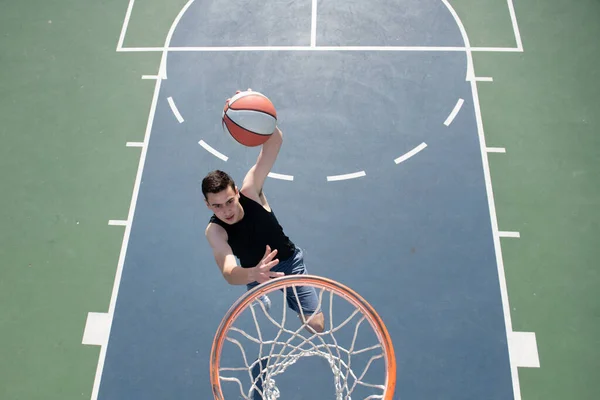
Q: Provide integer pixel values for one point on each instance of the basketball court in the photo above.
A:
(382, 180)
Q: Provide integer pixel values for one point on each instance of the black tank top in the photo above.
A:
(249, 237)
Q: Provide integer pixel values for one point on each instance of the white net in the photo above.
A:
(267, 348)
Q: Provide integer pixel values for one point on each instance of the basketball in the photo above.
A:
(250, 118)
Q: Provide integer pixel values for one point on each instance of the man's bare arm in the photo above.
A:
(233, 273)
(256, 176)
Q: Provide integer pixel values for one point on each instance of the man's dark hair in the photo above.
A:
(216, 181)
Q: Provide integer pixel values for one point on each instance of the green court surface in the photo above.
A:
(70, 102)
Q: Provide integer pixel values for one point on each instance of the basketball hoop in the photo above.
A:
(273, 355)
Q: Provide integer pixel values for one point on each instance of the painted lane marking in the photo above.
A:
(117, 222)
(455, 111)
(410, 153)
(175, 110)
(523, 349)
(280, 176)
(508, 234)
(346, 176)
(96, 329)
(213, 151)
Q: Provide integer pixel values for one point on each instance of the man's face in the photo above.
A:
(226, 205)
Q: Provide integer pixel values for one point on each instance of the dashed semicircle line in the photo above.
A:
(175, 110)
(212, 151)
(411, 153)
(455, 111)
(280, 176)
(353, 175)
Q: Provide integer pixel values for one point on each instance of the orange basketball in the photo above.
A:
(250, 118)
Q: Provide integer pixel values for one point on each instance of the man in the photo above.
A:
(244, 226)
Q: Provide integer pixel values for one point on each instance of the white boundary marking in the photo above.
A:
(117, 222)
(492, 208)
(509, 234)
(119, 272)
(495, 149)
(313, 25)
(125, 25)
(135, 144)
(411, 153)
(346, 176)
(280, 176)
(316, 48)
(211, 150)
(496, 237)
(149, 76)
(454, 112)
(484, 79)
(513, 18)
(523, 349)
(95, 332)
(175, 110)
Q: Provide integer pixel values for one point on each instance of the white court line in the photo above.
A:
(96, 329)
(316, 48)
(213, 151)
(497, 49)
(484, 79)
(125, 24)
(513, 18)
(135, 144)
(149, 76)
(496, 238)
(119, 272)
(346, 176)
(455, 111)
(162, 69)
(313, 25)
(470, 73)
(495, 149)
(411, 153)
(516, 386)
(175, 110)
(523, 349)
(509, 234)
(117, 222)
(280, 176)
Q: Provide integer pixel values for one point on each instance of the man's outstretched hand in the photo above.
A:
(262, 272)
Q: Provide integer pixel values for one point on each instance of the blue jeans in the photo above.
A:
(309, 301)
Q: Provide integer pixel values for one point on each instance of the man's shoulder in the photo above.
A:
(250, 192)
(215, 230)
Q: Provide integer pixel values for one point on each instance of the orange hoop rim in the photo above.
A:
(307, 280)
